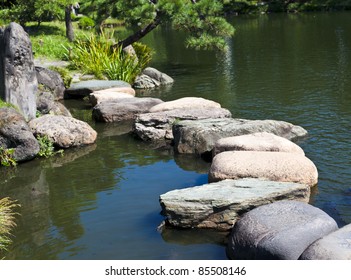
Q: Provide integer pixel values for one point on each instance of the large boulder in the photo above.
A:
(185, 103)
(334, 246)
(158, 126)
(123, 109)
(200, 136)
(15, 133)
(84, 88)
(261, 141)
(219, 205)
(280, 230)
(283, 167)
(64, 132)
(111, 95)
(18, 81)
(52, 81)
(47, 105)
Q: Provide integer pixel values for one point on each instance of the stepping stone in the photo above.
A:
(281, 230)
(283, 167)
(219, 205)
(185, 103)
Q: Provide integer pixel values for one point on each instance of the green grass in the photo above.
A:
(7, 221)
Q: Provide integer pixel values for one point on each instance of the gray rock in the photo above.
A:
(18, 81)
(200, 136)
(15, 133)
(280, 230)
(47, 105)
(157, 75)
(64, 131)
(51, 81)
(220, 205)
(274, 166)
(158, 126)
(84, 88)
(123, 109)
(334, 246)
(145, 82)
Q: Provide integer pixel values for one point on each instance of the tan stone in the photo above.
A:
(185, 103)
(97, 97)
(261, 141)
(283, 167)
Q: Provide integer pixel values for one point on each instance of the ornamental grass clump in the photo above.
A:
(95, 55)
(7, 221)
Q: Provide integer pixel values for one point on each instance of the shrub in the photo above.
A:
(86, 23)
(95, 55)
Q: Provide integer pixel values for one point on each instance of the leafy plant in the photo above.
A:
(6, 157)
(7, 221)
(86, 23)
(47, 148)
(95, 55)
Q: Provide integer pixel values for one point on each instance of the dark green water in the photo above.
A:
(101, 201)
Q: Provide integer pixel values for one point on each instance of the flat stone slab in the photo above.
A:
(185, 103)
(122, 109)
(219, 205)
(109, 95)
(334, 246)
(200, 136)
(281, 230)
(158, 126)
(283, 167)
(84, 88)
(261, 141)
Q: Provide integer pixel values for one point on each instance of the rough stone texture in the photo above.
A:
(200, 136)
(261, 141)
(18, 81)
(185, 103)
(64, 131)
(15, 133)
(283, 167)
(52, 81)
(281, 230)
(123, 109)
(334, 246)
(219, 205)
(110, 95)
(145, 82)
(157, 75)
(84, 88)
(47, 105)
(158, 126)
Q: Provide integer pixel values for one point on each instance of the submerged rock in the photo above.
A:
(200, 136)
(158, 126)
(219, 205)
(15, 133)
(64, 131)
(283, 167)
(281, 230)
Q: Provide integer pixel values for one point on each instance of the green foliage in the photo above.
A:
(47, 148)
(6, 104)
(95, 55)
(7, 221)
(6, 157)
(64, 73)
(86, 23)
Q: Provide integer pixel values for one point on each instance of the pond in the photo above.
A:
(101, 201)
